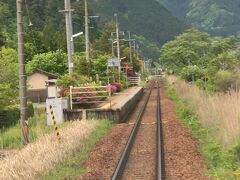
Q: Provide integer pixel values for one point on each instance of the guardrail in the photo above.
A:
(89, 95)
(134, 80)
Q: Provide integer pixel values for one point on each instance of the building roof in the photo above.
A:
(50, 75)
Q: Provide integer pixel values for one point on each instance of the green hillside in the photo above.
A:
(216, 17)
(151, 23)
(143, 17)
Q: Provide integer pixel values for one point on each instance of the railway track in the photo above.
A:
(143, 155)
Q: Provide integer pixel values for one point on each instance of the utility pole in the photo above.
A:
(130, 45)
(87, 36)
(134, 47)
(137, 49)
(69, 33)
(112, 41)
(118, 47)
(22, 74)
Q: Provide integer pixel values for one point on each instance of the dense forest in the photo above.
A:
(45, 39)
(216, 17)
(150, 22)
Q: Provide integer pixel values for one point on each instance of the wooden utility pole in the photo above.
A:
(130, 45)
(87, 36)
(22, 74)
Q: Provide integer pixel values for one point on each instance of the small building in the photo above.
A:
(37, 89)
(37, 80)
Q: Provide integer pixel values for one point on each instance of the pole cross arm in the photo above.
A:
(66, 10)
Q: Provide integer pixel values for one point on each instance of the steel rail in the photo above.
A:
(160, 149)
(123, 160)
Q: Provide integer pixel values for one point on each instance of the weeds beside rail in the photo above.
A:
(222, 163)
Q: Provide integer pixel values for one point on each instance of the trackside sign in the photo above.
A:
(113, 62)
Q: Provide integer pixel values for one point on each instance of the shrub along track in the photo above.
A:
(183, 160)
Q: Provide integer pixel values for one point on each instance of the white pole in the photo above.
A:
(69, 33)
(118, 48)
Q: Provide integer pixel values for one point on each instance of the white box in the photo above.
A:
(57, 105)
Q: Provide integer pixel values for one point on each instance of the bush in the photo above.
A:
(118, 86)
(223, 80)
(191, 73)
(53, 62)
(11, 115)
(72, 80)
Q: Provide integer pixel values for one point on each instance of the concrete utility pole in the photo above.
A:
(134, 47)
(118, 47)
(69, 33)
(112, 41)
(130, 45)
(87, 36)
(118, 41)
(22, 74)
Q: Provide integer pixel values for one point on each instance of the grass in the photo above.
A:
(218, 111)
(10, 138)
(47, 152)
(222, 162)
(71, 167)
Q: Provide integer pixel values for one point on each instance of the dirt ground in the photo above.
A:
(104, 157)
(182, 158)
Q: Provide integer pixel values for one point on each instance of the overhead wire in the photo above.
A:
(30, 24)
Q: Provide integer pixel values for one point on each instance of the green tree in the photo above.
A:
(221, 45)
(99, 66)
(53, 62)
(80, 64)
(102, 43)
(223, 80)
(135, 59)
(9, 76)
(224, 61)
(189, 48)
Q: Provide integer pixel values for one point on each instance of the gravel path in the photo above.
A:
(182, 157)
(183, 160)
(104, 157)
(141, 164)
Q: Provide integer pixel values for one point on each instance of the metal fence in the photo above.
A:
(134, 80)
(89, 95)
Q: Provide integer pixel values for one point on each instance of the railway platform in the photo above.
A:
(117, 108)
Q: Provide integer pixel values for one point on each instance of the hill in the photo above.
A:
(152, 23)
(143, 17)
(216, 17)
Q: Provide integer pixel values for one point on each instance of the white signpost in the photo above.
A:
(113, 62)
